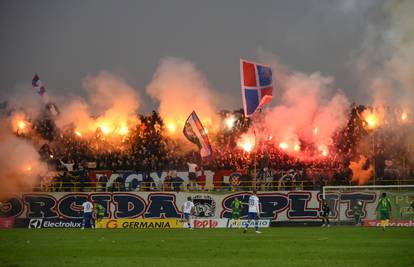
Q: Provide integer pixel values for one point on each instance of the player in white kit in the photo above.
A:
(87, 214)
(188, 209)
(254, 212)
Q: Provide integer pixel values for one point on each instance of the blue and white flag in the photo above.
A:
(256, 86)
(196, 134)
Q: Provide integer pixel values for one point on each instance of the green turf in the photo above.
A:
(281, 246)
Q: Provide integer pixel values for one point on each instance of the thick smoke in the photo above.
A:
(111, 105)
(360, 174)
(387, 59)
(20, 164)
(386, 71)
(24, 98)
(308, 108)
(181, 88)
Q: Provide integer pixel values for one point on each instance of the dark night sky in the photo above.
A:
(64, 41)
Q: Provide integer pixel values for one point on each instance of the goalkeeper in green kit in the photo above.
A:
(100, 213)
(236, 207)
(384, 207)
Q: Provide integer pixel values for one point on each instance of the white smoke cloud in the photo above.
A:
(386, 61)
(25, 99)
(19, 162)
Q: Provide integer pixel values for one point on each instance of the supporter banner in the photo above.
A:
(140, 223)
(133, 181)
(401, 205)
(396, 223)
(227, 223)
(294, 206)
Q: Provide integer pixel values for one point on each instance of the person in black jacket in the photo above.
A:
(325, 213)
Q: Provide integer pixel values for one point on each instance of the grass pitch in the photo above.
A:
(280, 246)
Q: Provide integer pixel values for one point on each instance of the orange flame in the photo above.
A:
(284, 145)
(323, 149)
(404, 116)
(247, 142)
(20, 124)
(359, 174)
(105, 129)
(171, 127)
(372, 118)
(297, 147)
(229, 122)
(123, 130)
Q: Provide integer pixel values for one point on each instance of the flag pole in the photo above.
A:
(254, 160)
(254, 169)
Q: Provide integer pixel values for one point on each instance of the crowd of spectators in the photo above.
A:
(148, 149)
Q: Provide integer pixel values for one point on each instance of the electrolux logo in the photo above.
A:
(35, 223)
(54, 223)
(61, 224)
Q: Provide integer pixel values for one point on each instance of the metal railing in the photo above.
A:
(169, 186)
(76, 186)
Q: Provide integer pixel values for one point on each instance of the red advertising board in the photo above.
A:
(7, 222)
(395, 223)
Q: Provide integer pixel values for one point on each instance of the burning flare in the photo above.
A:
(372, 118)
(229, 122)
(247, 142)
(404, 116)
(284, 146)
(171, 127)
(20, 124)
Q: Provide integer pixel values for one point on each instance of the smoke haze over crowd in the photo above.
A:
(103, 69)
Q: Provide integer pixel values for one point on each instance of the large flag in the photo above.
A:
(256, 86)
(195, 133)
